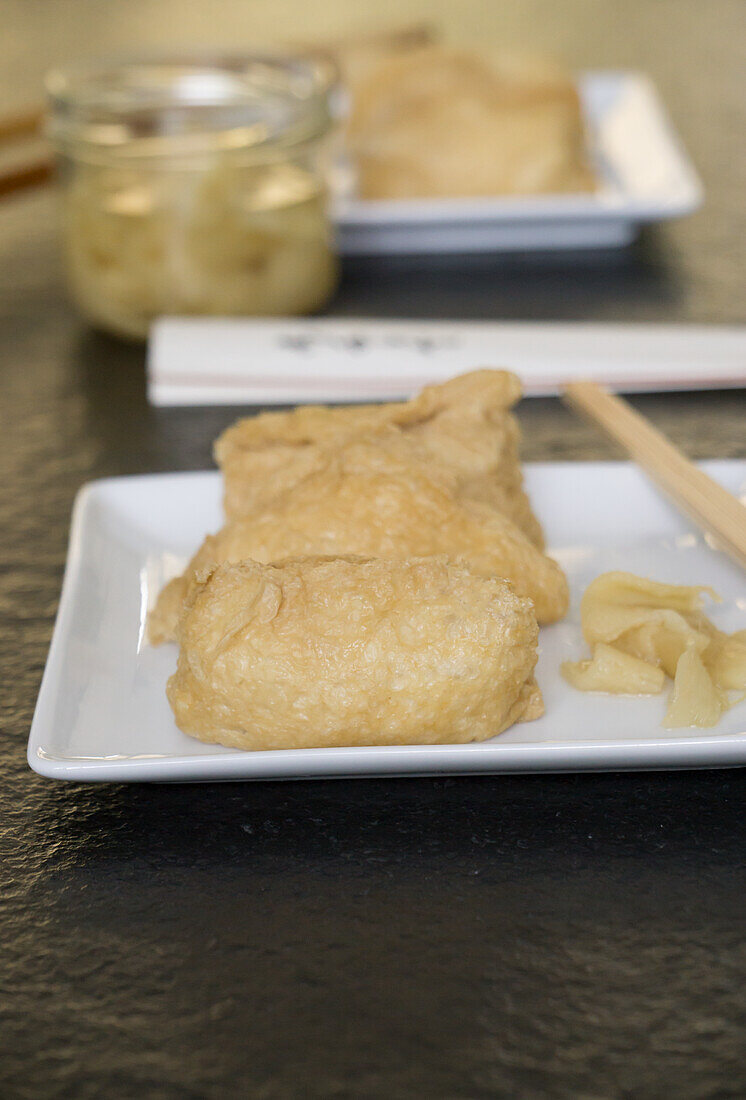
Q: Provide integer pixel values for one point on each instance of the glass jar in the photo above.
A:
(194, 186)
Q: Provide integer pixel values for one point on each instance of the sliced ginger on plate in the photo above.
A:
(641, 631)
(610, 670)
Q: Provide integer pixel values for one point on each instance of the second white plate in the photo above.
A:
(102, 712)
(645, 176)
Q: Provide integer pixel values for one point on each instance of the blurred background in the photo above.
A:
(685, 270)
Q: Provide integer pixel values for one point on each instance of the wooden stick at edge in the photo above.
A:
(705, 502)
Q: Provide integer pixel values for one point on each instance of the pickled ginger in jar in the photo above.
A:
(194, 186)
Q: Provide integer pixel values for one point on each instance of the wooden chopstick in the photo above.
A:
(21, 124)
(708, 504)
(412, 35)
(32, 171)
(26, 175)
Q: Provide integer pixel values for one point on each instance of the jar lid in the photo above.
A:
(187, 105)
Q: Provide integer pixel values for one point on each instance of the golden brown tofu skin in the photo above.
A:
(449, 123)
(370, 500)
(328, 652)
(463, 429)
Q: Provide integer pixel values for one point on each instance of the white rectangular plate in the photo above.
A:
(102, 712)
(644, 174)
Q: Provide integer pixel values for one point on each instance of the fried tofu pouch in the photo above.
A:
(370, 500)
(328, 652)
(448, 123)
(463, 428)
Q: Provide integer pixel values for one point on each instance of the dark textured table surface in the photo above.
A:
(563, 936)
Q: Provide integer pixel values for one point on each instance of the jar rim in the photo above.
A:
(190, 103)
